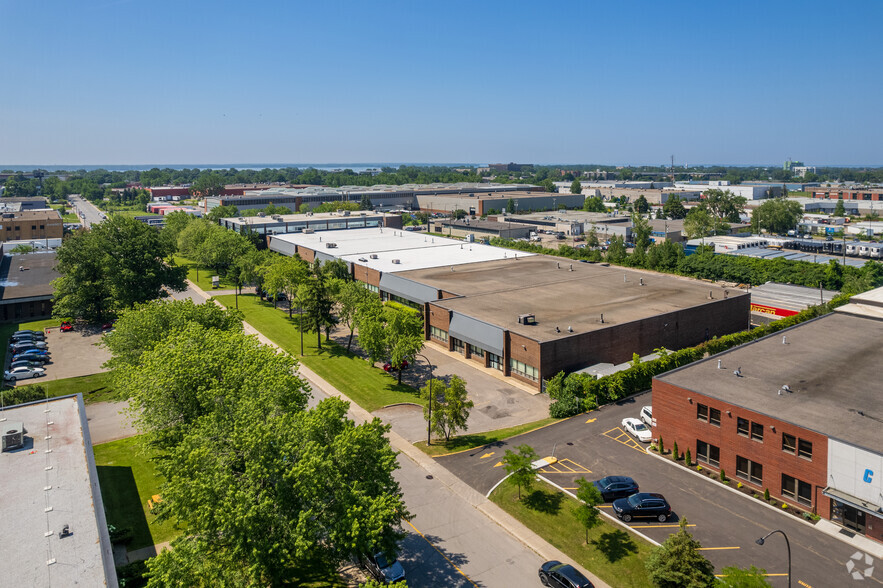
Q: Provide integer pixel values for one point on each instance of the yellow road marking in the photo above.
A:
(628, 442)
(769, 576)
(567, 467)
(591, 421)
(442, 554)
(716, 548)
(801, 582)
(498, 464)
(487, 455)
(603, 505)
(662, 526)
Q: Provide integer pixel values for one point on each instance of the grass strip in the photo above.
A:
(467, 442)
(202, 276)
(611, 553)
(367, 386)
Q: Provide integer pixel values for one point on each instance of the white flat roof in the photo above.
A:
(435, 256)
(49, 483)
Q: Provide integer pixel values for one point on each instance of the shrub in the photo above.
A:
(565, 406)
(22, 394)
(674, 451)
(688, 459)
(766, 494)
(723, 475)
(661, 447)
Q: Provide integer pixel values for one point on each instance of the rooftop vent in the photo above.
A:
(527, 319)
(308, 231)
(13, 436)
(363, 260)
(331, 245)
(397, 261)
(373, 256)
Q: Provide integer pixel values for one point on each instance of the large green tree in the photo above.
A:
(594, 204)
(114, 266)
(518, 465)
(208, 184)
(404, 336)
(674, 208)
(677, 563)
(586, 511)
(317, 304)
(778, 215)
(450, 406)
(219, 212)
(839, 208)
(724, 205)
(350, 297)
(576, 187)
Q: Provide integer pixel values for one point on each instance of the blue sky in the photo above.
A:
(127, 82)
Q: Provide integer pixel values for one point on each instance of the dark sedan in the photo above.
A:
(613, 487)
(642, 505)
(558, 575)
(31, 357)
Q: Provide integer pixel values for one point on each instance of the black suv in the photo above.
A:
(643, 504)
(558, 575)
(613, 487)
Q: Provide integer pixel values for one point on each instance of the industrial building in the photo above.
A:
(55, 532)
(484, 202)
(280, 224)
(797, 413)
(26, 291)
(30, 224)
(20, 203)
(477, 229)
(772, 301)
(528, 316)
(846, 193)
(383, 197)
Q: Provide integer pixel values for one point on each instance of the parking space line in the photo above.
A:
(565, 466)
(629, 441)
(440, 553)
(716, 548)
(802, 583)
(662, 526)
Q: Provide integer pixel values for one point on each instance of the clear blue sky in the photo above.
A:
(128, 82)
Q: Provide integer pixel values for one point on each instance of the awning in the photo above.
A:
(840, 496)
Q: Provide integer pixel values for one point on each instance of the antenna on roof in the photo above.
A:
(738, 372)
(784, 339)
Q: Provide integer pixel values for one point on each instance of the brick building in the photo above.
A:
(798, 413)
(30, 224)
(846, 193)
(26, 291)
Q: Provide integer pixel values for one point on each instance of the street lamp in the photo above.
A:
(429, 389)
(787, 543)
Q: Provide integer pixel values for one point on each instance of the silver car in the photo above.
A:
(23, 373)
(647, 415)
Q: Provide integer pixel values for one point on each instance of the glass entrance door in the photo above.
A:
(848, 516)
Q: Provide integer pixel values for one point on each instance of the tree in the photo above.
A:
(350, 297)
(586, 512)
(674, 208)
(839, 208)
(616, 251)
(221, 248)
(576, 187)
(677, 563)
(641, 232)
(365, 203)
(594, 204)
(451, 411)
(592, 239)
(776, 216)
(112, 267)
(146, 325)
(699, 223)
(404, 336)
(316, 302)
(217, 213)
(285, 274)
(233, 429)
(208, 184)
(510, 206)
(173, 224)
(520, 466)
(458, 214)
(641, 205)
(724, 205)
(736, 577)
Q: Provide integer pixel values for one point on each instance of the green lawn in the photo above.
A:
(466, 442)
(128, 480)
(367, 386)
(612, 554)
(94, 387)
(205, 275)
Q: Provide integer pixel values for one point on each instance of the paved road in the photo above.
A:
(107, 422)
(727, 524)
(87, 211)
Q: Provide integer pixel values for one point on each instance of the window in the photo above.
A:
(476, 351)
(707, 453)
(374, 289)
(804, 449)
(757, 431)
(714, 417)
(437, 333)
(42, 227)
(494, 361)
(749, 470)
(522, 369)
(702, 412)
(789, 443)
(33, 227)
(797, 490)
(457, 345)
(742, 426)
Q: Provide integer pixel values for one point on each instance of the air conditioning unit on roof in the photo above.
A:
(373, 256)
(13, 436)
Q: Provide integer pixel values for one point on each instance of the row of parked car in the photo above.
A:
(30, 353)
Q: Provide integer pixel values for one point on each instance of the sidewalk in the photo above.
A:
(464, 494)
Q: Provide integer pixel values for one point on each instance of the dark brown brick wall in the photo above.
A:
(367, 275)
(676, 420)
(675, 330)
(306, 253)
(526, 350)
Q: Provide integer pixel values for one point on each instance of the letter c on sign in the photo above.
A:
(869, 475)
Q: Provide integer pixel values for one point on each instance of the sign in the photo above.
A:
(772, 310)
(868, 477)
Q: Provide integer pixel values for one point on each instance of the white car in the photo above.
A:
(23, 373)
(647, 415)
(637, 428)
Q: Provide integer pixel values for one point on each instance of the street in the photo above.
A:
(88, 212)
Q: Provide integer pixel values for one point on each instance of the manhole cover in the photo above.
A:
(570, 442)
(429, 477)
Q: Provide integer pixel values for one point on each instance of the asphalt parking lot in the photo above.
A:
(73, 354)
(593, 445)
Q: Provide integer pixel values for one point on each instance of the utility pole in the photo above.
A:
(672, 170)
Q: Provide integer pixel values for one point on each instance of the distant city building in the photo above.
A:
(512, 167)
(846, 193)
(789, 165)
(800, 171)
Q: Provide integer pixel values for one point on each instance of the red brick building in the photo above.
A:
(839, 192)
(796, 413)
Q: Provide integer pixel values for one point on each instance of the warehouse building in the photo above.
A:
(798, 413)
(771, 301)
(477, 229)
(528, 316)
(26, 291)
(481, 202)
(55, 532)
(280, 224)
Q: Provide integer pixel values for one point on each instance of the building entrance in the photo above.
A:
(848, 516)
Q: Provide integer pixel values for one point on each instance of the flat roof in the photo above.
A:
(305, 218)
(831, 364)
(49, 483)
(444, 255)
(499, 291)
(32, 214)
(33, 280)
(416, 189)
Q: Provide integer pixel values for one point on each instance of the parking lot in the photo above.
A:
(73, 354)
(593, 445)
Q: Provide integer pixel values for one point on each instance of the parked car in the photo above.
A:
(30, 357)
(34, 336)
(28, 344)
(388, 367)
(24, 363)
(384, 569)
(26, 332)
(27, 350)
(647, 415)
(642, 505)
(613, 487)
(23, 373)
(637, 428)
(66, 326)
(558, 575)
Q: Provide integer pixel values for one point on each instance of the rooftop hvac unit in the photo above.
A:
(277, 217)
(373, 256)
(527, 319)
(397, 261)
(13, 436)
(331, 245)
(308, 231)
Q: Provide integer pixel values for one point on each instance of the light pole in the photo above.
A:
(787, 543)
(431, 395)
